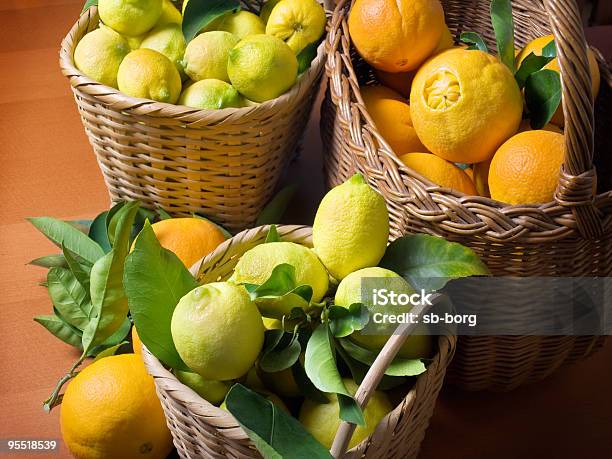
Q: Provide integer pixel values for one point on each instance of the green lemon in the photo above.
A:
(130, 17)
(264, 14)
(262, 67)
(350, 228)
(323, 419)
(207, 54)
(99, 54)
(350, 291)
(256, 265)
(241, 23)
(211, 94)
(169, 14)
(149, 74)
(212, 391)
(297, 22)
(217, 331)
(169, 40)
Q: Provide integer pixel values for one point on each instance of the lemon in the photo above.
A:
(135, 42)
(99, 54)
(281, 382)
(350, 228)
(264, 14)
(350, 291)
(130, 17)
(262, 67)
(207, 54)
(322, 420)
(241, 23)
(169, 14)
(169, 40)
(217, 331)
(256, 265)
(272, 324)
(212, 391)
(211, 94)
(297, 22)
(149, 74)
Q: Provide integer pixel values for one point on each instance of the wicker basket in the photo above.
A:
(201, 430)
(220, 163)
(569, 237)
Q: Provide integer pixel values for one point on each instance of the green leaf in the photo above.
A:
(155, 280)
(89, 4)
(399, 366)
(503, 25)
(199, 13)
(62, 233)
(304, 384)
(274, 210)
(109, 351)
(98, 232)
(307, 55)
(50, 261)
(60, 329)
(274, 433)
(68, 296)
(429, 262)
(280, 352)
(82, 225)
(163, 215)
(550, 50)
(109, 302)
(344, 321)
(320, 366)
(474, 41)
(114, 339)
(273, 235)
(542, 96)
(225, 232)
(80, 271)
(530, 64)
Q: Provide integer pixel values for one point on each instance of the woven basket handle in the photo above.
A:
(375, 373)
(577, 185)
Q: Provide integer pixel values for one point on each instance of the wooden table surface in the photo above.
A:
(47, 168)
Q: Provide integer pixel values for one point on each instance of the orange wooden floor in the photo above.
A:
(47, 168)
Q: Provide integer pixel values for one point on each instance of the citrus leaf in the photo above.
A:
(542, 96)
(60, 329)
(307, 55)
(98, 232)
(429, 262)
(68, 297)
(305, 385)
(80, 271)
(155, 280)
(199, 13)
(163, 215)
(275, 209)
(530, 64)
(89, 4)
(281, 354)
(62, 233)
(320, 366)
(399, 366)
(273, 235)
(114, 339)
(344, 321)
(50, 261)
(503, 25)
(550, 50)
(474, 41)
(109, 351)
(274, 433)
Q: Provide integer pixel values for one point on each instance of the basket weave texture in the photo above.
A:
(220, 163)
(571, 236)
(200, 429)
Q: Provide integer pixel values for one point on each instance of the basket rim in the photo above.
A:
(110, 96)
(168, 383)
(531, 223)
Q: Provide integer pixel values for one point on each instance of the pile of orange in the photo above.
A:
(455, 115)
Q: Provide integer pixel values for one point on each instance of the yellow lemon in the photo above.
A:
(262, 67)
(297, 22)
(169, 40)
(136, 342)
(207, 54)
(111, 410)
(211, 94)
(264, 14)
(99, 55)
(130, 17)
(169, 14)
(241, 23)
(212, 391)
(439, 171)
(149, 74)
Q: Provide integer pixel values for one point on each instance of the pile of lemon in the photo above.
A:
(237, 59)
(455, 115)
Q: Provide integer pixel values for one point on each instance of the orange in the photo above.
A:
(111, 410)
(439, 171)
(396, 35)
(391, 115)
(189, 238)
(481, 177)
(525, 169)
(401, 82)
(464, 104)
(536, 46)
(136, 342)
